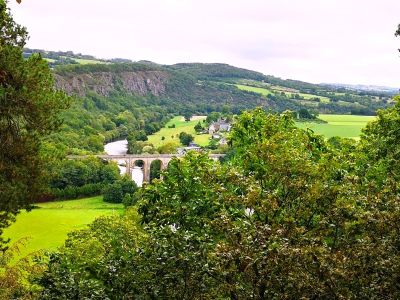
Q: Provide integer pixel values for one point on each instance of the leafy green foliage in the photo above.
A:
(71, 179)
(288, 216)
(29, 107)
(95, 120)
(14, 278)
(187, 116)
(131, 199)
(198, 127)
(117, 191)
(96, 263)
(167, 148)
(138, 147)
(213, 117)
(380, 144)
(185, 138)
(305, 114)
(155, 170)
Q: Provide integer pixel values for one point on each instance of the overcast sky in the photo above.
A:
(346, 41)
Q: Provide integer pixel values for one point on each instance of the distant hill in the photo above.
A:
(208, 86)
(201, 88)
(58, 58)
(364, 88)
(116, 98)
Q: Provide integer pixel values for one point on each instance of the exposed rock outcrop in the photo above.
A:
(102, 83)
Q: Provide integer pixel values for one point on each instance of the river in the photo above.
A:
(119, 148)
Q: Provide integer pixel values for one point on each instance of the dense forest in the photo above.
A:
(94, 120)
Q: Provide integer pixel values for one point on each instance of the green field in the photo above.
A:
(171, 134)
(266, 92)
(47, 227)
(310, 96)
(82, 61)
(258, 90)
(348, 126)
(50, 60)
(88, 61)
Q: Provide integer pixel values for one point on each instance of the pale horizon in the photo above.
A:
(348, 42)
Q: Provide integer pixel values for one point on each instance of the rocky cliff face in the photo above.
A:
(102, 83)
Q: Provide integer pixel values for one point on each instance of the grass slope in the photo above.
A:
(258, 90)
(47, 227)
(348, 126)
(172, 134)
(89, 61)
(266, 92)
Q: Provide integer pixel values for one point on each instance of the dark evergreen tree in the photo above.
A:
(29, 107)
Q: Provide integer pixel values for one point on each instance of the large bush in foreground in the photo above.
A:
(96, 263)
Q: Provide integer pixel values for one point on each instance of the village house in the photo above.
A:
(220, 126)
(191, 147)
(223, 141)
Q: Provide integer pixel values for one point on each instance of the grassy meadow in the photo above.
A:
(50, 60)
(82, 61)
(172, 134)
(347, 126)
(258, 90)
(266, 92)
(47, 226)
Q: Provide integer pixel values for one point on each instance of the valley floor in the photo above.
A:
(172, 134)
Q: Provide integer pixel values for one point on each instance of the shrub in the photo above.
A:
(115, 193)
(131, 199)
(73, 192)
(185, 138)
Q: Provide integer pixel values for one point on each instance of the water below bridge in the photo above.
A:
(121, 148)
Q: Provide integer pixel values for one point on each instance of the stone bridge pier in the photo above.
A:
(147, 161)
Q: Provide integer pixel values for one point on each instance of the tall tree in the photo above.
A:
(29, 107)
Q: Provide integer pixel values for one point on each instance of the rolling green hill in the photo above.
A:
(201, 88)
(118, 98)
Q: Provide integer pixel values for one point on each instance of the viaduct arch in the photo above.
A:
(147, 159)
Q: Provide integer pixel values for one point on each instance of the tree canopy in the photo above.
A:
(288, 215)
(29, 107)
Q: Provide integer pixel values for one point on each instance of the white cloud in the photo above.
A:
(350, 41)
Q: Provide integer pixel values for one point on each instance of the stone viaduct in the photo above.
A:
(130, 160)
